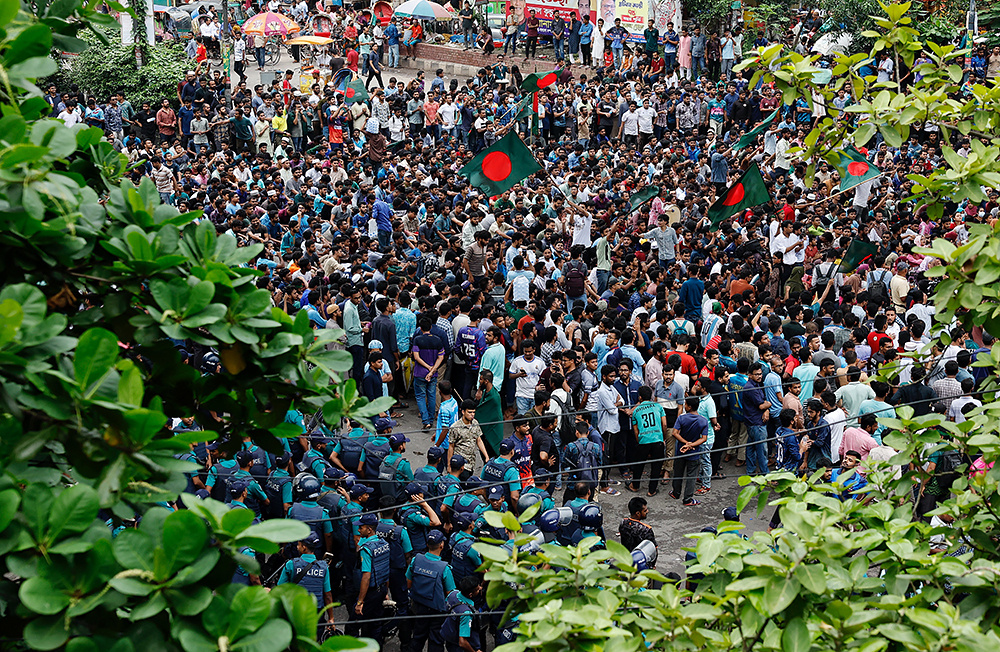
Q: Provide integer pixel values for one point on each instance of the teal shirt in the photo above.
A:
(353, 510)
(315, 461)
(547, 501)
(473, 556)
(326, 527)
(404, 538)
(446, 577)
(648, 417)
(254, 488)
(286, 490)
(404, 471)
(213, 476)
(288, 572)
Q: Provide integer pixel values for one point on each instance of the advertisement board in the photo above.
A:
(635, 14)
(545, 10)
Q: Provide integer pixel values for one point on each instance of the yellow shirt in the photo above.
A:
(279, 123)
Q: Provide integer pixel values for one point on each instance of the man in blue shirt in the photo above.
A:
(691, 293)
(756, 412)
(430, 580)
(391, 34)
(382, 212)
(690, 432)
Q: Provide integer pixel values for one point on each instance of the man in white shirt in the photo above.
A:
(647, 115)
(629, 128)
(788, 245)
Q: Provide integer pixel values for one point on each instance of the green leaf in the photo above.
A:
(300, 607)
(130, 389)
(42, 597)
(190, 602)
(795, 637)
(184, 537)
(272, 637)
(237, 520)
(812, 578)
(134, 549)
(73, 510)
(45, 633)
(248, 612)
(96, 353)
(36, 504)
(529, 513)
(8, 10)
(779, 594)
(143, 424)
(149, 608)
(10, 499)
(280, 530)
(510, 522)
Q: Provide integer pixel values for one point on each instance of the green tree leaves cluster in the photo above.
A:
(100, 284)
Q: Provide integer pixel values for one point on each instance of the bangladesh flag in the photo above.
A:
(854, 169)
(499, 168)
(748, 191)
(525, 108)
(355, 92)
(857, 253)
(643, 196)
(749, 137)
(536, 81)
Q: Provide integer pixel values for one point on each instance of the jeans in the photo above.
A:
(425, 392)
(727, 68)
(384, 239)
(602, 280)
(532, 45)
(558, 44)
(394, 56)
(260, 57)
(670, 59)
(617, 52)
(165, 197)
(511, 40)
(697, 65)
(706, 468)
(524, 403)
(686, 470)
(469, 37)
(585, 53)
(756, 449)
(572, 301)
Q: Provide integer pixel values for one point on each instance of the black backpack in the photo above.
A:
(946, 471)
(879, 290)
(586, 461)
(575, 279)
(388, 475)
(567, 432)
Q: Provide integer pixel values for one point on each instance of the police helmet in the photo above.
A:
(526, 501)
(644, 555)
(309, 488)
(591, 517)
(549, 520)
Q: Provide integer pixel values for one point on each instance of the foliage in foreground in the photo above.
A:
(99, 280)
(843, 572)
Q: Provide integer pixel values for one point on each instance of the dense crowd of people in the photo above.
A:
(556, 339)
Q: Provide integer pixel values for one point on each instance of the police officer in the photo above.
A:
(311, 513)
(570, 534)
(464, 559)
(548, 523)
(449, 484)
(377, 448)
(457, 631)
(374, 558)
(314, 459)
(400, 554)
(310, 573)
(261, 460)
(395, 472)
(256, 499)
(278, 488)
(430, 581)
(502, 469)
(237, 500)
(419, 517)
(349, 452)
(219, 473)
(591, 521)
(426, 475)
(543, 480)
(496, 503)
(470, 500)
(334, 499)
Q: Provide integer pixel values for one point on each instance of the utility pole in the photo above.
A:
(225, 43)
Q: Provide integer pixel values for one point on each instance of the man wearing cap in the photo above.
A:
(464, 559)
(419, 517)
(502, 469)
(256, 498)
(450, 483)
(400, 555)
(395, 472)
(427, 474)
(310, 573)
(429, 579)
(307, 510)
(470, 500)
(238, 491)
(349, 451)
(220, 473)
(314, 459)
(543, 481)
(494, 503)
(373, 579)
(377, 448)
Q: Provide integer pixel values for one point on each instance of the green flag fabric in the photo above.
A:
(857, 253)
(854, 169)
(643, 196)
(355, 92)
(748, 191)
(499, 168)
(525, 108)
(749, 137)
(536, 81)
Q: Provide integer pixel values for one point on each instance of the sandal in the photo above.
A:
(632, 488)
(610, 491)
(693, 503)
(741, 463)
(396, 415)
(651, 493)
(703, 491)
(674, 496)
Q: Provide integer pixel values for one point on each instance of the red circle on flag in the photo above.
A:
(734, 196)
(349, 93)
(857, 168)
(496, 166)
(547, 80)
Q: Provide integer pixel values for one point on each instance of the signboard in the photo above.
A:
(545, 11)
(633, 15)
(636, 13)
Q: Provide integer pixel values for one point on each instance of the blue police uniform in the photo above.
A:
(350, 450)
(417, 524)
(571, 534)
(459, 623)
(431, 581)
(310, 513)
(218, 478)
(315, 576)
(376, 450)
(500, 469)
(255, 495)
(278, 489)
(464, 558)
(399, 549)
(374, 557)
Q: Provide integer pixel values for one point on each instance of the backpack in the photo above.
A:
(388, 475)
(586, 462)
(820, 279)
(677, 326)
(878, 290)
(566, 429)
(575, 279)
(946, 471)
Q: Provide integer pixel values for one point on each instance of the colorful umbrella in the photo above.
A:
(268, 23)
(424, 10)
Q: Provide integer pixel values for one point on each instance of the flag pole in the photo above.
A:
(838, 194)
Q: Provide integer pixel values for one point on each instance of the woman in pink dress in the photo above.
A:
(684, 54)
